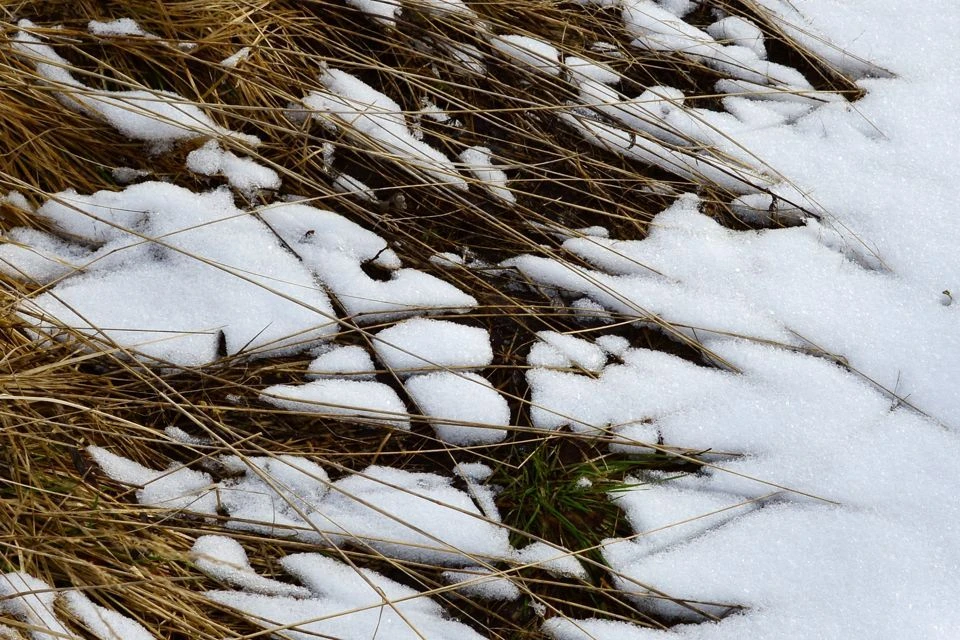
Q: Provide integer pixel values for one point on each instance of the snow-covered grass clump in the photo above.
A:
(173, 275)
(337, 599)
(160, 117)
(28, 603)
(418, 517)
(378, 121)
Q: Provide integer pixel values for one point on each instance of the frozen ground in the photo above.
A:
(834, 511)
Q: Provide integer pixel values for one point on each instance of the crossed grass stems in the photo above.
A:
(62, 521)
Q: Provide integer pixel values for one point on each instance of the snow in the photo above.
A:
(739, 31)
(348, 361)
(363, 399)
(474, 474)
(560, 350)
(346, 602)
(561, 628)
(582, 69)
(492, 178)
(165, 272)
(658, 29)
(480, 582)
(665, 515)
(473, 471)
(118, 27)
(784, 580)
(425, 344)
(313, 233)
(614, 345)
(153, 116)
(446, 7)
(179, 435)
(104, 623)
(375, 120)
(244, 174)
(162, 281)
(31, 601)
(176, 488)
(126, 175)
(735, 178)
(231, 62)
(552, 559)
(418, 516)
(763, 209)
(447, 260)
(334, 248)
(679, 7)
(468, 56)
(223, 559)
(528, 51)
(408, 292)
(464, 408)
(826, 394)
(842, 53)
(793, 436)
(384, 12)
(38, 257)
(401, 514)
(344, 183)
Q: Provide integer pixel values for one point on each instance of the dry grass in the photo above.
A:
(63, 521)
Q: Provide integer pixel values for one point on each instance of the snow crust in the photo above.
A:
(421, 344)
(223, 559)
(118, 27)
(32, 602)
(464, 408)
(528, 51)
(244, 174)
(376, 120)
(365, 399)
(348, 361)
(491, 177)
(334, 248)
(153, 116)
(169, 272)
(343, 601)
(482, 583)
(232, 61)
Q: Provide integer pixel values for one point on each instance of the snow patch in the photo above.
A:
(469, 402)
(424, 344)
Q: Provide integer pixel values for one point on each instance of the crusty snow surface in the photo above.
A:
(830, 509)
